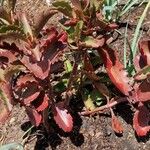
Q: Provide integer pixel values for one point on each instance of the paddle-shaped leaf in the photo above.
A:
(144, 47)
(34, 116)
(142, 91)
(5, 101)
(90, 42)
(141, 120)
(62, 117)
(64, 7)
(115, 69)
(116, 125)
(50, 48)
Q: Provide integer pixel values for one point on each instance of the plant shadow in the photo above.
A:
(125, 111)
(57, 135)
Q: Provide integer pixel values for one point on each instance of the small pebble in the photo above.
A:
(12, 120)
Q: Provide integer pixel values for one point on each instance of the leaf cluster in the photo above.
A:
(30, 55)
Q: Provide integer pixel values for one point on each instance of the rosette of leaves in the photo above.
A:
(28, 57)
(84, 21)
(88, 31)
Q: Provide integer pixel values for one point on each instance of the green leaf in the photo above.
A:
(64, 7)
(11, 31)
(5, 103)
(12, 146)
(98, 4)
(74, 33)
(128, 6)
(78, 30)
(97, 97)
(143, 73)
(136, 34)
(61, 86)
(88, 101)
(26, 27)
(68, 66)
(91, 42)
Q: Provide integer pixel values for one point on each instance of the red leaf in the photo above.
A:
(62, 38)
(52, 47)
(51, 38)
(71, 22)
(115, 69)
(141, 120)
(27, 92)
(22, 80)
(7, 54)
(41, 102)
(34, 116)
(139, 63)
(116, 125)
(142, 91)
(30, 98)
(144, 47)
(104, 25)
(62, 117)
(6, 102)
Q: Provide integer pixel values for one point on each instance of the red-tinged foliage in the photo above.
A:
(116, 125)
(34, 116)
(144, 47)
(105, 26)
(71, 22)
(9, 56)
(142, 91)
(27, 93)
(42, 54)
(51, 48)
(139, 63)
(37, 52)
(22, 80)
(84, 24)
(6, 101)
(42, 102)
(62, 117)
(115, 69)
(141, 120)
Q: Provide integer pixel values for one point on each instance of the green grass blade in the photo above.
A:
(128, 6)
(125, 47)
(136, 34)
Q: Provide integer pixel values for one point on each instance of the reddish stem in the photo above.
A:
(104, 107)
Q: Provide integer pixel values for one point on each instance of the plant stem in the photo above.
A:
(104, 107)
(70, 82)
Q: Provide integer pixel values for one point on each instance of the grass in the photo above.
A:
(137, 30)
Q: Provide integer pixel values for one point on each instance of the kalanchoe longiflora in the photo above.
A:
(27, 58)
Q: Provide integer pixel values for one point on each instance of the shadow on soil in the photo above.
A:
(125, 111)
(53, 139)
(56, 137)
